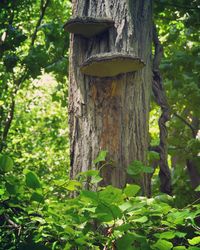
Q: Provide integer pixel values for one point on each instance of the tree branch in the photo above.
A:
(24, 76)
(8, 124)
(161, 100)
(187, 123)
(42, 12)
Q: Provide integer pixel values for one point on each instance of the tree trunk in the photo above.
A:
(111, 113)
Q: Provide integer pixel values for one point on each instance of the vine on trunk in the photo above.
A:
(161, 100)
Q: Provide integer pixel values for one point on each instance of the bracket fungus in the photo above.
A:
(88, 26)
(111, 64)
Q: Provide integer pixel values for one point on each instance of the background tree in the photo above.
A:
(177, 25)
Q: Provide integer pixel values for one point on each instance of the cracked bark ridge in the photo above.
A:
(88, 26)
(111, 64)
(161, 100)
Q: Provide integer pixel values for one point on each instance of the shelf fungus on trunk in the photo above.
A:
(111, 64)
(88, 26)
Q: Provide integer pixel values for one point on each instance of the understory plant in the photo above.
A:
(35, 215)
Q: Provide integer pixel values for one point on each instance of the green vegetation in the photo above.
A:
(40, 207)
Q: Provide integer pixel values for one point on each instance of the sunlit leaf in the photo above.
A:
(32, 180)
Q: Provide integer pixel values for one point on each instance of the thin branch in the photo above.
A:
(186, 123)
(7, 124)
(42, 12)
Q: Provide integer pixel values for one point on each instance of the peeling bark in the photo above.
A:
(111, 113)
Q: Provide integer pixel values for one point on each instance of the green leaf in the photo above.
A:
(152, 156)
(111, 195)
(106, 213)
(32, 180)
(125, 242)
(6, 163)
(147, 170)
(179, 248)
(96, 179)
(137, 168)
(89, 196)
(180, 234)
(197, 189)
(166, 235)
(101, 157)
(142, 219)
(131, 190)
(12, 189)
(37, 197)
(165, 198)
(2, 191)
(194, 241)
(163, 245)
(73, 185)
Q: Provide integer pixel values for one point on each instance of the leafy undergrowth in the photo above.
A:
(39, 215)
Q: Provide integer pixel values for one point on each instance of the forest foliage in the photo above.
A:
(37, 208)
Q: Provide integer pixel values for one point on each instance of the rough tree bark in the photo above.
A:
(111, 113)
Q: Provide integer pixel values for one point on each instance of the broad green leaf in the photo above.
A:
(36, 196)
(179, 248)
(123, 228)
(147, 170)
(111, 195)
(81, 241)
(163, 245)
(166, 235)
(165, 198)
(96, 179)
(125, 242)
(12, 189)
(6, 163)
(197, 189)
(89, 196)
(142, 219)
(2, 191)
(152, 156)
(101, 156)
(125, 206)
(68, 246)
(131, 190)
(106, 213)
(135, 168)
(178, 217)
(73, 185)
(180, 234)
(194, 241)
(32, 180)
